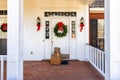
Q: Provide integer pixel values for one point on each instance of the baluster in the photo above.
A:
(100, 61)
(95, 57)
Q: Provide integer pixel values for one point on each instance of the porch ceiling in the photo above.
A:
(55, 4)
(3, 3)
(90, 1)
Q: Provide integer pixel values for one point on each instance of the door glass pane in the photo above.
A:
(100, 31)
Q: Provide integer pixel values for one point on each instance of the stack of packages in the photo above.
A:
(56, 57)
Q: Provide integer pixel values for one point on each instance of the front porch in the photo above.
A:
(43, 70)
(24, 42)
(75, 70)
(93, 69)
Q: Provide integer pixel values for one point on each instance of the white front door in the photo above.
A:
(62, 42)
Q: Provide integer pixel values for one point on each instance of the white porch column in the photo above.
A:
(112, 39)
(14, 40)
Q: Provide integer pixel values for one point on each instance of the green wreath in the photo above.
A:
(60, 30)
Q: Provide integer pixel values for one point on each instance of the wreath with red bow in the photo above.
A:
(60, 29)
(4, 27)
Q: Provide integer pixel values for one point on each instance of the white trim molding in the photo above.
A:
(96, 10)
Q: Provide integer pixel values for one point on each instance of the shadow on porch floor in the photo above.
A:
(75, 70)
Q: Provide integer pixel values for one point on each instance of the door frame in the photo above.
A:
(47, 42)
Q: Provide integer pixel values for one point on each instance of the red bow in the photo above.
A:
(60, 26)
(4, 26)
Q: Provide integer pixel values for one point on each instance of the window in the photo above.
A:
(97, 30)
(100, 34)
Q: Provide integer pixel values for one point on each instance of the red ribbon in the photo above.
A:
(81, 26)
(38, 26)
(60, 26)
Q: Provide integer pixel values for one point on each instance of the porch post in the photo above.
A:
(14, 40)
(112, 39)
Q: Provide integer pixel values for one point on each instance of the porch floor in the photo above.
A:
(75, 70)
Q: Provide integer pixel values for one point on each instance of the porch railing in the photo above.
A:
(2, 60)
(96, 57)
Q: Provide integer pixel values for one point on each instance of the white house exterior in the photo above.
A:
(24, 42)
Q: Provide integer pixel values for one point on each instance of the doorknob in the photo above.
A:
(43, 40)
